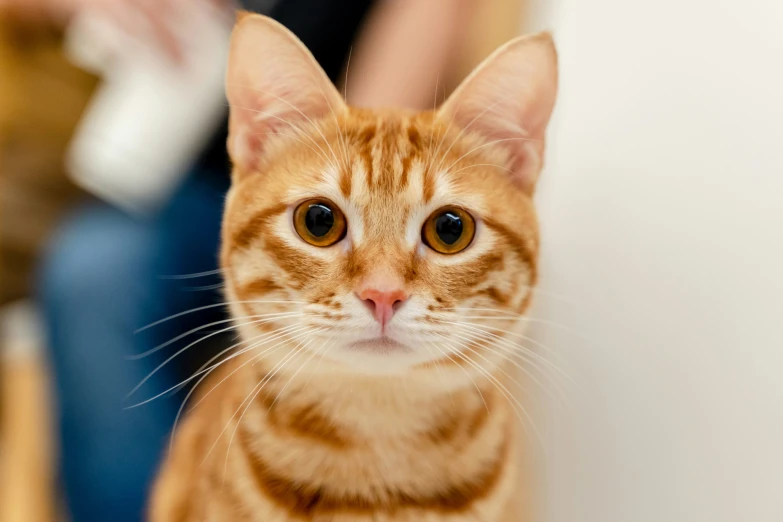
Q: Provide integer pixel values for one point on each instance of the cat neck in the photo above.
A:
(368, 406)
(367, 443)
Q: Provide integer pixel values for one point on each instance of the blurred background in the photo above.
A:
(661, 210)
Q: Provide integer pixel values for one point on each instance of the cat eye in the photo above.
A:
(319, 222)
(449, 230)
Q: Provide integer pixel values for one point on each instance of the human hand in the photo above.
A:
(160, 22)
(157, 21)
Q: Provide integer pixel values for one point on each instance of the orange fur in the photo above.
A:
(301, 426)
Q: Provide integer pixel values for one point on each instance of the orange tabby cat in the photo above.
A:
(374, 263)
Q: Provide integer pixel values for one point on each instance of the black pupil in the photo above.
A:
(319, 219)
(448, 226)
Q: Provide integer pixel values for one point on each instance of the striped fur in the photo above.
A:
(305, 426)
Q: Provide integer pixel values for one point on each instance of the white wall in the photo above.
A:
(662, 211)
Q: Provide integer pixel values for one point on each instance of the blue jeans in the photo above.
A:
(102, 280)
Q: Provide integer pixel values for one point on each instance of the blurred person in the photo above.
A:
(102, 276)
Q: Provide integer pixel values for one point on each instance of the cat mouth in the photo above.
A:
(378, 345)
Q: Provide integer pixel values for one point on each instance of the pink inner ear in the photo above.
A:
(274, 85)
(524, 148)
(256, 116)
(510, 97)
(253, 131)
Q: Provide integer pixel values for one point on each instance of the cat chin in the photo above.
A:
(377, 357)
(399, 368)
(379, 346)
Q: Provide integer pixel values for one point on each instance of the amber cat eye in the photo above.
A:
(319, 222)
(449, 230)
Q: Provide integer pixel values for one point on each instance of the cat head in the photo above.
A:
(381, 240)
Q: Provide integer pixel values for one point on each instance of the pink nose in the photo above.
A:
(383, 304)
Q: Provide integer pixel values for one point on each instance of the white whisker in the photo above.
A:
(483, 400)
(251, 396)
(193, 275)
(521, 368)
(481, 165)
(466, 127)
(347, 66)
(187, 397)
(483, 330)
(207, 307)
(290, 335)
(294, 137)
(488, 144)
(204, 288)
(202, 327)
(320, 359)
(164, 363)
(523, 354)
(442, 376)
(434, 107)
(295, 127)
(294, 107)
(507, 394)
(205, 368)
(266, 378)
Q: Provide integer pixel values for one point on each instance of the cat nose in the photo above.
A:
(383, 303)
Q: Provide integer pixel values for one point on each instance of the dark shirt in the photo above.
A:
(327, 27)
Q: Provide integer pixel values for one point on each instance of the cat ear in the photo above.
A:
(509, 98)
(274, 85)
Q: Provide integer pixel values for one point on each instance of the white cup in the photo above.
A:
(150, 117)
